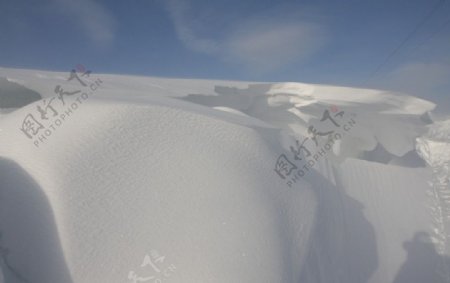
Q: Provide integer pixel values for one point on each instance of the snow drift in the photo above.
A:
(137, 179)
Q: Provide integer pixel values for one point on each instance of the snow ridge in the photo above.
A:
(434, 147)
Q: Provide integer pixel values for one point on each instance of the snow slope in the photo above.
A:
(149, 179)
(434, 147)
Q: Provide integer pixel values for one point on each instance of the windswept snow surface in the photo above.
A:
(137, 179)
(434, 147)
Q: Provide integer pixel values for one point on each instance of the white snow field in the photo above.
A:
(112, 178)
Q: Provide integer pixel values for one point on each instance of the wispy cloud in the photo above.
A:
(258, 44)
(179, 12)
(94, 19)
(266, 46)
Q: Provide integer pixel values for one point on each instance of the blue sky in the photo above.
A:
(333, 42)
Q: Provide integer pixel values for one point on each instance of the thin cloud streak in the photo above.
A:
(178, 12)
(267, 47)
(95, 20)
(259, 45)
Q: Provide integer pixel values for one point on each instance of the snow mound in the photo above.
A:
(391, 120)
(381, 118)
(135, 179)
(198, 190)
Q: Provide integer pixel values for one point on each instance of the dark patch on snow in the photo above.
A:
(13, 95)
(380, 155)
(30, 248)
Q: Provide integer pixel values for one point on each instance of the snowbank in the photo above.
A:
(203, 181)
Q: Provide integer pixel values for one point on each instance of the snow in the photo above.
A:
(434, 147)
(13, 95)
(175, 179)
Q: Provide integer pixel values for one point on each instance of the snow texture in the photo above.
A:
(177, 180)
